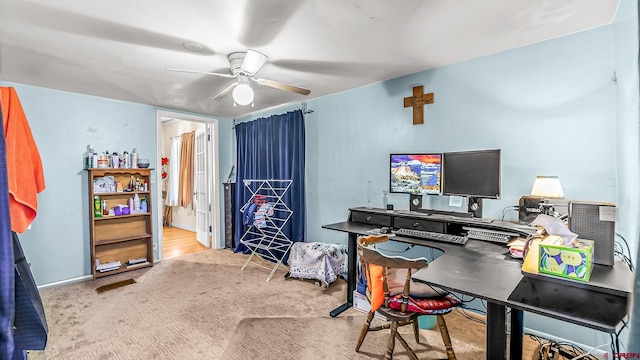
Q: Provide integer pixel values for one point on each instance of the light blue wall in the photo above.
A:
(63, 124)
(554, 108)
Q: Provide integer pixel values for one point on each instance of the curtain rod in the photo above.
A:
(179, 136)
(304, 109)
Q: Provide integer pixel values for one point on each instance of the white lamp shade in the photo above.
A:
(253, 61)
(548, 187)
(243, 94)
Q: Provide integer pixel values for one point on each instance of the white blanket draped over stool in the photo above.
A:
(320, 261)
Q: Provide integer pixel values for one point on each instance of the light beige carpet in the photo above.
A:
(202, 306)
(329, 338)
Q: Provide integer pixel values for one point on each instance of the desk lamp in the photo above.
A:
(547, 187)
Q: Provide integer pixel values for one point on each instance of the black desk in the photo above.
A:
(488, 279)
(484, 270)
(458, 269)
(353, 229)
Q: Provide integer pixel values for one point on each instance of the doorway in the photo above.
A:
(190, 229)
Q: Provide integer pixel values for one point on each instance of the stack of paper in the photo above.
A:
(114, 265)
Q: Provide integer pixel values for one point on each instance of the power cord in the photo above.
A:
(507, 209)
(466, 315)
(615, 339)
(460, 299)
(377, 247)
(625, 258)
(589, 352)
(549, 349)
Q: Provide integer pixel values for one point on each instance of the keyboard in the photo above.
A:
(435, 236)
(489, 235)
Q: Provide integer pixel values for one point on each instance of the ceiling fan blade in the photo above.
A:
(282, 86)
(225, 91)
(253, 61)
(201, 72)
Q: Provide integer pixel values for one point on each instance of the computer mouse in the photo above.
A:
(385, 230)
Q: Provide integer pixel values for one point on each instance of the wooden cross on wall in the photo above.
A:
(417, 101)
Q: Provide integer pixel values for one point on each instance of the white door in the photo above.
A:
(201, 185)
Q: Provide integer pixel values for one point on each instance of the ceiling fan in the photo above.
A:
(244, 66)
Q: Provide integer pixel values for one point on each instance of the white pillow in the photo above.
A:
(395, 281)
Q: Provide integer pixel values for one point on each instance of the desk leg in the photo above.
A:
(352, 274)
(515, 345)
(496, 332)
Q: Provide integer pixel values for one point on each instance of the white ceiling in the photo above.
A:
(120, 48)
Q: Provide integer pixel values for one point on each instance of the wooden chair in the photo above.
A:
(370, 258)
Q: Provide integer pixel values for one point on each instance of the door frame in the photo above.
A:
(213, 163)
(203, 238)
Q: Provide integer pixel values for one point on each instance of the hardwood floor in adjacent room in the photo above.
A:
(178, 241)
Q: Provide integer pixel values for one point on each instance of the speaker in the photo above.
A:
(474, 207)
(529, 208)
(415, 202)
(595, 221)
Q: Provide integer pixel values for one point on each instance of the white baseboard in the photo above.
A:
(187, 227)
(65, 282)
(73, 280)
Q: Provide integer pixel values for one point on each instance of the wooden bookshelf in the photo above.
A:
(120, 237)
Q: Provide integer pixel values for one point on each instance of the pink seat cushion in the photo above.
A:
(439, 305)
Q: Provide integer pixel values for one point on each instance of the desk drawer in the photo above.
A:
(370, 218)
(416, 224)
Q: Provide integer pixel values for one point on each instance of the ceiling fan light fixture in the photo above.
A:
(253, 61)
(243, 94)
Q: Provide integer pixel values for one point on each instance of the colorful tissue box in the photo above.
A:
(575, 263)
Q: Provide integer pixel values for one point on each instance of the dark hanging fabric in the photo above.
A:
(22, 321)
(272, 148)
(7, 270)
(30, 322)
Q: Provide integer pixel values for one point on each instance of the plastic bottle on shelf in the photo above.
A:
(94, 160)
(134, 159)
(97, 206)
(126, 160)
(136, 202)
(115, 160)
(88, 158)
(103, 160)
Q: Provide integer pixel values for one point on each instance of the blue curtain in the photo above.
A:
(272, 148)
(7, 267)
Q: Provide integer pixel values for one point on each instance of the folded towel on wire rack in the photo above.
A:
(249, 211)
(264, 210)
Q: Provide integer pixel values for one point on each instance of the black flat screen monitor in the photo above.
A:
(417, 174)
(472, 174)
